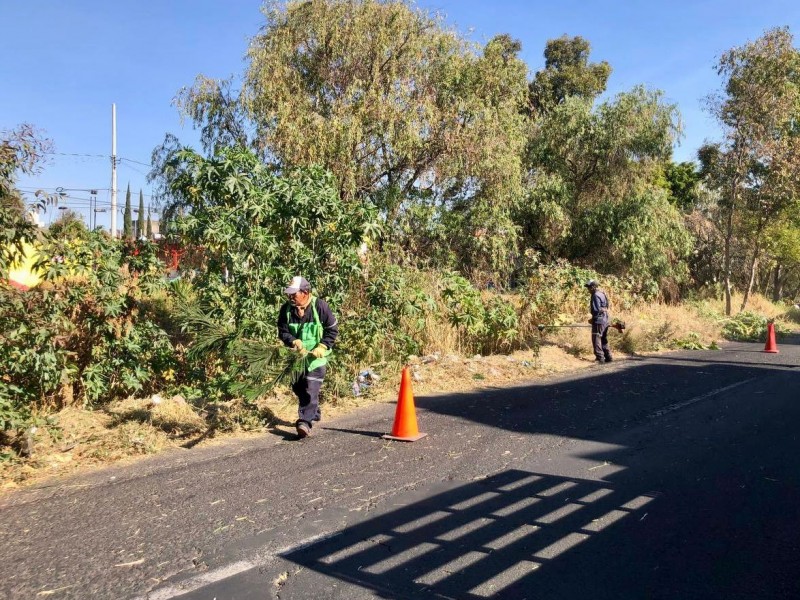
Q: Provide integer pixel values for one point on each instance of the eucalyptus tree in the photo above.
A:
(567, 73)
(756, 163)
(592, 171)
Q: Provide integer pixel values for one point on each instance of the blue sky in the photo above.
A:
(65, 63)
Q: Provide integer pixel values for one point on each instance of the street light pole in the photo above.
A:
(113, 170)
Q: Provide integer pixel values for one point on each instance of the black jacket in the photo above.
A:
(330, 327)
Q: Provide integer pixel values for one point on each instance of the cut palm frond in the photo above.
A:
(260, 366)
(209, 335)
(257, 365)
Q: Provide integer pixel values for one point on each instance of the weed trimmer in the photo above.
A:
(617, 324)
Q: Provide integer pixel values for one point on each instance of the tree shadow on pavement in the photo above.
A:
(496, 536)
(661, 524)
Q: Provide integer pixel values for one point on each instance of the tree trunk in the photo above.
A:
(753, 264)
(726, 268)
(777, 283)
(753, 270)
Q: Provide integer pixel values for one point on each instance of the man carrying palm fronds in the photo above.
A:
(307, 325)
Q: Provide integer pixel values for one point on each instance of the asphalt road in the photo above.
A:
(663, 477)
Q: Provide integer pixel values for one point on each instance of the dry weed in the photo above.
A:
(82, 438)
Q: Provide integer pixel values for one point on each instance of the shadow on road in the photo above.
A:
(663, 524)
(475, 541)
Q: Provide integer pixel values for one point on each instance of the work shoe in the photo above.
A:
(609, 359)
(599, 361)
(303, 429)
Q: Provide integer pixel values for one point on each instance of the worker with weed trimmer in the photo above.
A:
(307, 325)
(598, 306)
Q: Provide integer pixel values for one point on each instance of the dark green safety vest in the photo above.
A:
(310, 333)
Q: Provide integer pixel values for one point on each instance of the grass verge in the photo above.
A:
(75, 439)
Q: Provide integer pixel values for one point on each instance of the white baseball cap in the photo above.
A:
(297, 284)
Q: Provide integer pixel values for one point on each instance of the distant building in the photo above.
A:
(154, 223)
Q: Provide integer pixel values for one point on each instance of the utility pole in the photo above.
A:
(92, 209)
(113, 170)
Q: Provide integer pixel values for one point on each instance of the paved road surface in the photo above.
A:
(666, 477)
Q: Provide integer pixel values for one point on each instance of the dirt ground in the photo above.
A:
(78, 440)
(75, 440)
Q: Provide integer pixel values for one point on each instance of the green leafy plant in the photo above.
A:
(749, 327)
(83, 336)
(254, 229)
(486, 325)
(692, 341)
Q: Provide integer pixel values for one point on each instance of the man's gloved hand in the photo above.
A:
(319, 351)
(591, 321)
(298, 345)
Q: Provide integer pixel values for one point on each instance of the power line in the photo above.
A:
(79, 200)
(135, 161)
(78, 154)
(106, 156)
(131, 167)
(57, 189)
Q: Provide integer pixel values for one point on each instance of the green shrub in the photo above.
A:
(485, 326)
(748, 327)
(82, 336)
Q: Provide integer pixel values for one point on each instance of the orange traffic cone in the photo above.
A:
(771, 346)
(405, 417)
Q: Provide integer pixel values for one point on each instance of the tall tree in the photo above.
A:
(591, 174)
(604, 151)
(756, 164)
(567, 72)
(389, 100)
(149, 231)
(140, 217)
(127, 220)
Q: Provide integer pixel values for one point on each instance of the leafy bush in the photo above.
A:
(384, 316)
(748, 327)
(554, 293)
(255, 229)
(485, 325)
(82, 336)
(642, 236)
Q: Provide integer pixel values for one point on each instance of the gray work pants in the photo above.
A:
(600, 341)
(306, 388)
